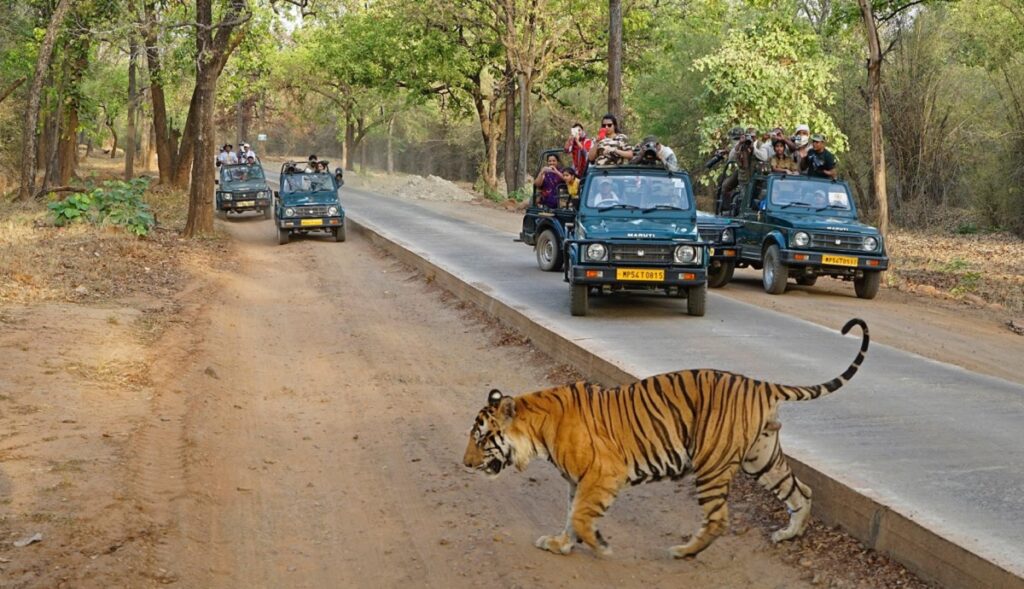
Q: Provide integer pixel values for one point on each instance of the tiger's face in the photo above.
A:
(490, 450)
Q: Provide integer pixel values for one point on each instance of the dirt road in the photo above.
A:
(300, 424)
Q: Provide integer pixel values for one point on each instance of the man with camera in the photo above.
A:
(652, 152)
(819, 163)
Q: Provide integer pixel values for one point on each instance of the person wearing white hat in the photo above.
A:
(247, 153)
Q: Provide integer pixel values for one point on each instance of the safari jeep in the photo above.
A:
(720, 234)
(242, 187)
(636, 231)
(546, 228)
(308, 202)
(802, 228)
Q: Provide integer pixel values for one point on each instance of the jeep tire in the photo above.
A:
(579, 295)
(807, 279)
(283, 235)
(339, 232)
(696, 300)
(549, 251)
(775, 273)
(866, 286)
(720, 276)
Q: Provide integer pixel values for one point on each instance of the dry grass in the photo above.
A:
(81, 263)
(980, 269)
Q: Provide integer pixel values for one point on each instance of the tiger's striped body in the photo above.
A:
(708, 422)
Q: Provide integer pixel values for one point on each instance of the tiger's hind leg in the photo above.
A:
(712, 495)
(766, 462)
(562, 543)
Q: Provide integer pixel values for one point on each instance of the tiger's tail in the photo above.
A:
(793, 393)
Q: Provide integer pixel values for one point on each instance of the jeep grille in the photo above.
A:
(652, 254)
(313, 211)
(837, 241)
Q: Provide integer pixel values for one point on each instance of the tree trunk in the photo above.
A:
(524, 129)
(511, 161)
(150, 148)
(166, 148)
(615, 58)
(67, 155)
(875, 109)
(113, 132)
(130, 142)
(28, 149)
(51, 176)
(391, 149)
(349, 149)
(186, 148)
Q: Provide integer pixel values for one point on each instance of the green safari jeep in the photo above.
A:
(802, 228)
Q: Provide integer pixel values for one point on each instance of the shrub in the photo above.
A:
(111, 203)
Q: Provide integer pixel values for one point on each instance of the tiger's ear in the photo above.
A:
(494, 397)
(507, 407)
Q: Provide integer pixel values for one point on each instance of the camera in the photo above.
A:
(575, 132)
(649, 150)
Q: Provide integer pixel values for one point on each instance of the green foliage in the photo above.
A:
(770, 73)
(112, 203)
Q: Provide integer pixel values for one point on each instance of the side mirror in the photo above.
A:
(277, 194)
(338, 173)
(762, 205)
(216, 181)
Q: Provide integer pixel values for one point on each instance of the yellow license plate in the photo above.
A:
(311, 222)
(839, 261)
(639, 274)
(246, 203)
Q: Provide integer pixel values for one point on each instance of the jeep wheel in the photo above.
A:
(696, 300)
(267, 213)
(549, 251)
(866, 286)
(282, 236)
(775, 272)
(807, 279)
(720, 276)
(578, 299)
(339, 233)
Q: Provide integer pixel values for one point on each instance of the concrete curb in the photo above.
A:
(929, 555)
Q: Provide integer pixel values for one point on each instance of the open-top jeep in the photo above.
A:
(242, 187)
(802, 227)
(308, 202)
(545, 228)
(636, 230)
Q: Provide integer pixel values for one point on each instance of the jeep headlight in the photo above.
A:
(870, 244)
(226, 195)
(332, 212)
(801, 239)
(684, 254)
(596, 252)
(727, 235)
(262, 194)
(289, 212)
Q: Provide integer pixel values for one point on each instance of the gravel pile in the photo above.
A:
(432, 188)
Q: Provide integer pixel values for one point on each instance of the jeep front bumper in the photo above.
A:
(244, 204)
(834, 262)
(634, 276)
(311, 223)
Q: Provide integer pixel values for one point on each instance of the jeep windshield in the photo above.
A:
(818, 196)
(642, 192)
(240, 173)
(308, 183)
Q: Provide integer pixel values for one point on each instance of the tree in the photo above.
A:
(615, 57)
(28, 151)
(212, 52)
(874, 96)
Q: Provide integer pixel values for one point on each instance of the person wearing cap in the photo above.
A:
(819, 163)
(247, 153)
(780, 162)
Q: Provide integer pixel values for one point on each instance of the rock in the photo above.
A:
(1016, 326)
(81, 290)
(974, 300)
(37, 537)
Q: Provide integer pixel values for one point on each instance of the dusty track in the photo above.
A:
(324, 431)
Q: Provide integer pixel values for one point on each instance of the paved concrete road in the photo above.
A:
(940, 444)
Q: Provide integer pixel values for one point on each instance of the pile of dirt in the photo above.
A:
(432, 188)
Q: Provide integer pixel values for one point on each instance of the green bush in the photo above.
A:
(111, 203)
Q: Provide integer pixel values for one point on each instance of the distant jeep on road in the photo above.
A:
(636, 230)
(308, 201)
(801, 227)
(242, 187)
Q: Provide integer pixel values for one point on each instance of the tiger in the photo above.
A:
(708, 422)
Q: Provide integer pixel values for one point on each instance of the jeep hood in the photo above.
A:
(246, 186)
(814, 222)
(324, 197)
(612, 227)
(705, 218)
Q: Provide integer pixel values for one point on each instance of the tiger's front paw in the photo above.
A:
(688, 550)
(560, 544)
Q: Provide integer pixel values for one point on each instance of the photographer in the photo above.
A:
(819, 163)
(578, 147)
(612, 147)
(548, 180)
(651, 151)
